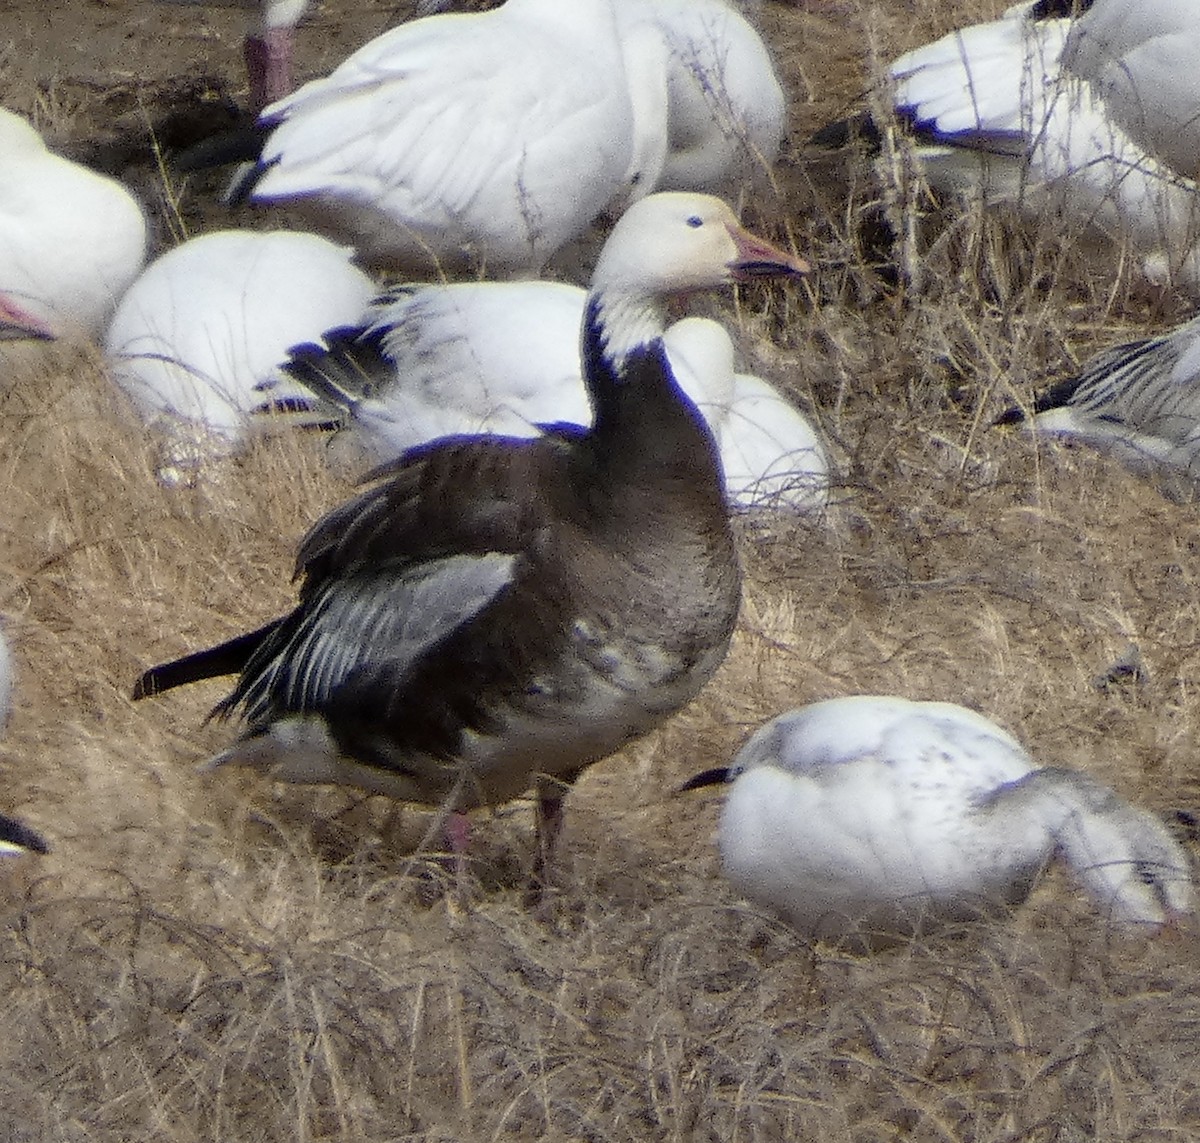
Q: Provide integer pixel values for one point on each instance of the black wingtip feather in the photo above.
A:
(714, 777)
(13, 832)
(228, 658)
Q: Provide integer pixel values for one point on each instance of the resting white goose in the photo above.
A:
(1096, 117)
(71, 240)
(453, 141)
(871, 816)
(1139, 402)
(726, 108)
(205, 327)
(497, 613)
(503, 357)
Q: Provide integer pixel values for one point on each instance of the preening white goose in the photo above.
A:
(496, 613)
(204, 329)
(453, 141)
(1139, 401)
(871, 816)
(726, 108)
(1085, 116)
(71, 240)
(503, 357)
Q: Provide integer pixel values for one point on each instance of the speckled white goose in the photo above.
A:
(71, 240)
(503, 357)
(495, 613)
(203, 330)
(874, 815)
(453, 141)
(1095, 116)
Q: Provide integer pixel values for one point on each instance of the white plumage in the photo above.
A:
(485, 140)
(202, 332)
(873, 815)
(504, 358)
(71, 240)
(726, 108)
(1095, 117)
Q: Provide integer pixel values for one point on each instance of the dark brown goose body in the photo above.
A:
(493, 610)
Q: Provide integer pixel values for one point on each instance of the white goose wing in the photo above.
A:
(999, 112)
(457, 136)
(773, 457)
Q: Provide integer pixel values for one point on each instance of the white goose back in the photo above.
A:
(204, 329)
(726, 108)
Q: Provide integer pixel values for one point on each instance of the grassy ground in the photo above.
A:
(209, 958)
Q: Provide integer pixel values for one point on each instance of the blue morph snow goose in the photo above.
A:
(453, 141)
(503, 357)
(871, 816)
(71, 240)
(1096, 116)
(496, 613)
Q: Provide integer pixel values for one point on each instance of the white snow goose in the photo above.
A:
(496, 613)
(503, 357)
(200, 335)
(725, 107)
(1096, 116)
(71, 240)
(867, 817)
(453, 142)
(1139, 402)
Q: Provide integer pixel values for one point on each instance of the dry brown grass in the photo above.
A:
(208, 958)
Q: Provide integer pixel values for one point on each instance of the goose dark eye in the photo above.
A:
(695, 221)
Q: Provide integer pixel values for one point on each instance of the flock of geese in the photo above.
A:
(541, 567)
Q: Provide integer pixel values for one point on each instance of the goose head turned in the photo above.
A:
(494, 613)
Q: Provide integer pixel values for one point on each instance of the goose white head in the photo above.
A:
(675, 242)
(669, 244)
